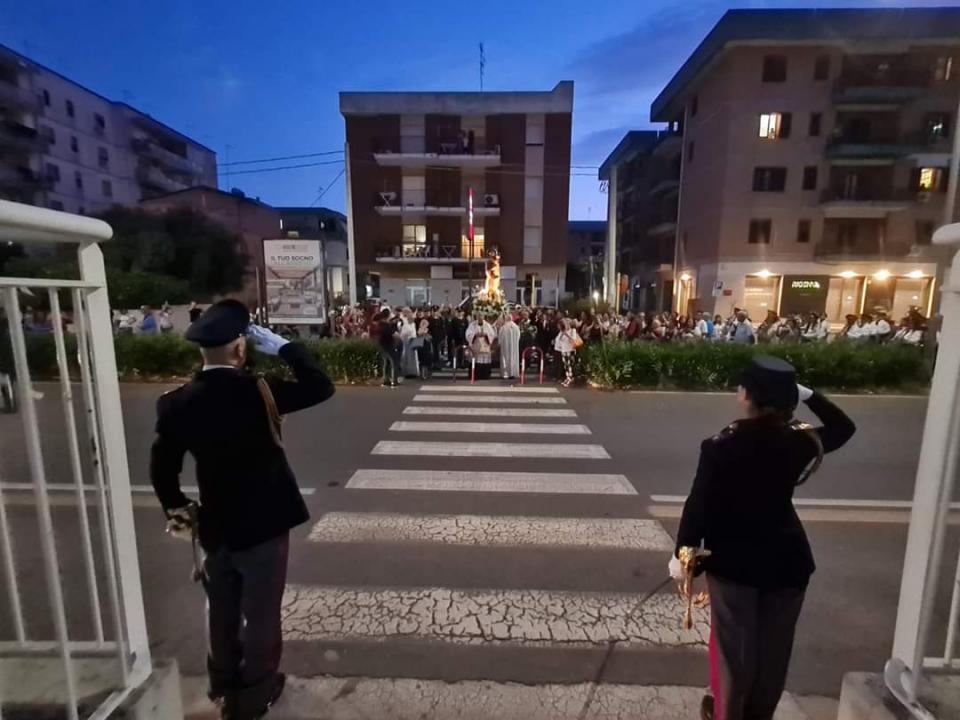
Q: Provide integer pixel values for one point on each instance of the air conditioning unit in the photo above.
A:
(388, 198)
(491, 200)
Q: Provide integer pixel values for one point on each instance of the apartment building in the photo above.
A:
(816, 147)
(66, 147)
(437, 181)
(643, 186)
(586, 253)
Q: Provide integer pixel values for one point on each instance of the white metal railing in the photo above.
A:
(107, 484)
(933, 493)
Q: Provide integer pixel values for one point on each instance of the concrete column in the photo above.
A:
(935, 479)
(351, 241)
(610, 284)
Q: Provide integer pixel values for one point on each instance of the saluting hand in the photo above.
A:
(266, 341)
(804, 392)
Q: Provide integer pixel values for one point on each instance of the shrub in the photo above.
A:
(842, 366)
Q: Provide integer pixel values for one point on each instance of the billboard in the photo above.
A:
(293, 279)
(804, 294)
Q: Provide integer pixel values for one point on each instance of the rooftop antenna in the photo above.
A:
(483, 63)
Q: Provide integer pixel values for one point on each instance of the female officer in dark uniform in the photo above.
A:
(741, 508)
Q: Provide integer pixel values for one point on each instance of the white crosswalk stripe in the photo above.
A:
(492, 482)
(528, 389)
(489, 427)
(489, 449)
(489, 399)
(491, 411)
(492, 531)
(487, 616)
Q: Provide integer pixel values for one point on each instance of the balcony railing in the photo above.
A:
(156, 178)
(443, 154)
(145, 147)
(870, 250)
(392, 203)
(872, 195)
(18, 97)
(424, 253)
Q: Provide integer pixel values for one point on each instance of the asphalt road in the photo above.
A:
(515, 572)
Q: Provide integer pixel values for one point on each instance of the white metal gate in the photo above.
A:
(111, 570)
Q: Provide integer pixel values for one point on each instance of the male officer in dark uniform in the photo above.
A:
(229, 420)
(741, 508)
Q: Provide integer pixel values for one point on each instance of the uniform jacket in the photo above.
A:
(741, 504)
(248, 493)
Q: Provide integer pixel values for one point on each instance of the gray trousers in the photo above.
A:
(752, 630)
(244, 594)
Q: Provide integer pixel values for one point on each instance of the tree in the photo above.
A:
(181, 243)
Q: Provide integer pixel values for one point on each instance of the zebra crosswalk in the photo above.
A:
(447, 623)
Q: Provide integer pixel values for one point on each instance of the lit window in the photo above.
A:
(943, 70)
(929, 179)
(774, 126)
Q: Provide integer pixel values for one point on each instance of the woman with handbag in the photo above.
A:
(566, 343)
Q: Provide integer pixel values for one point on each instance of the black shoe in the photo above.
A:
(706, 708)
(280, 682)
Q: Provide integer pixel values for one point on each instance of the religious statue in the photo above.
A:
(492, 288)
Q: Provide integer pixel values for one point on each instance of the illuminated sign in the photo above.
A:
(805, 285)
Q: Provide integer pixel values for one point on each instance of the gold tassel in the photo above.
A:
(689, 557)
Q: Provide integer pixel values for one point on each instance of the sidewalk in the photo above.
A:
(329, 698)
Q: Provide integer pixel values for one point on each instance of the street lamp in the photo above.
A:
(596, 297)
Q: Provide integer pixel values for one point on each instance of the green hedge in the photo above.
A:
(611, 365)
(706, 366)
(157, 357)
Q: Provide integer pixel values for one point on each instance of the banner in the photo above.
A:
(294, 282)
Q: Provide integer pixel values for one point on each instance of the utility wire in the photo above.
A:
(284, 167)
(285, 157)
(330, 185)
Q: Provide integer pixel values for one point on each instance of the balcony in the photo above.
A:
(668, 227)
(668, 143)
(150, 149)
(18, 137)
(449, 155)
(874, 203)
(665, 186)
(869, 86)
(18, 98)
(388, 204)
(155, 179)
(867, 250)
(23, 178)
(422, 254)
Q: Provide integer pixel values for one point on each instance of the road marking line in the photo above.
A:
(490, 449)
(482, 481)
(821, 503)
(489, 411)
(490, 399)
(825, 514)
(489, 389)
(70, 487)
(483, 427)
(492, 531)
(488, 616)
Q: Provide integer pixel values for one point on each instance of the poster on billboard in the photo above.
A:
(293, 281)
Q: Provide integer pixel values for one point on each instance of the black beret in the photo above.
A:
(220, 324)
(771, 382)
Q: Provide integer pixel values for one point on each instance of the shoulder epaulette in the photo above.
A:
(727, 432)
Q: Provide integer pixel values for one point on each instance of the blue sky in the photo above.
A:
(259, 80)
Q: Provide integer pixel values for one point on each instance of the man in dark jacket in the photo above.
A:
(741, 509)
(229, 420)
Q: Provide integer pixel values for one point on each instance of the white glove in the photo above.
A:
(267, 341)
(675, 568)
(180, 522)
(804, 392)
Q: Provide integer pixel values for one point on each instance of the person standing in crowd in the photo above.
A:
(881, 328)
(633, 329)
(438, 333)
(165, 320)
(455, 335)
(229, 420)
(126, 323)
(148, 325)
(391, 348)
(566, 343)
(816, 330)
(742, 331)
(194, 311)
(509, 340)
(741, 509)
(409, 367)
(480, 337)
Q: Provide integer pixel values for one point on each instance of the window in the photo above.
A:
(46, 98)
(414, 240)
(821, 68)
(847, 233)
(47, 133)
(414, 190)
(815, 120)
(810, 177)
(924, 232)
(71, 111)
(803, 231)
(943, 69)
(775, 126)
(103, 157)
(78, 179)
(74, 144)
(929, 179)
(107, 187)
(774, 68)
(693, 106)
(760, 232)
(99, 123)
(690, 151)
(769, 179)
(52, 172)
(937, 125)
(56, 205)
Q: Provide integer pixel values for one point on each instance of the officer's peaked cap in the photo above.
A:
(220, 324)
(771, 382)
